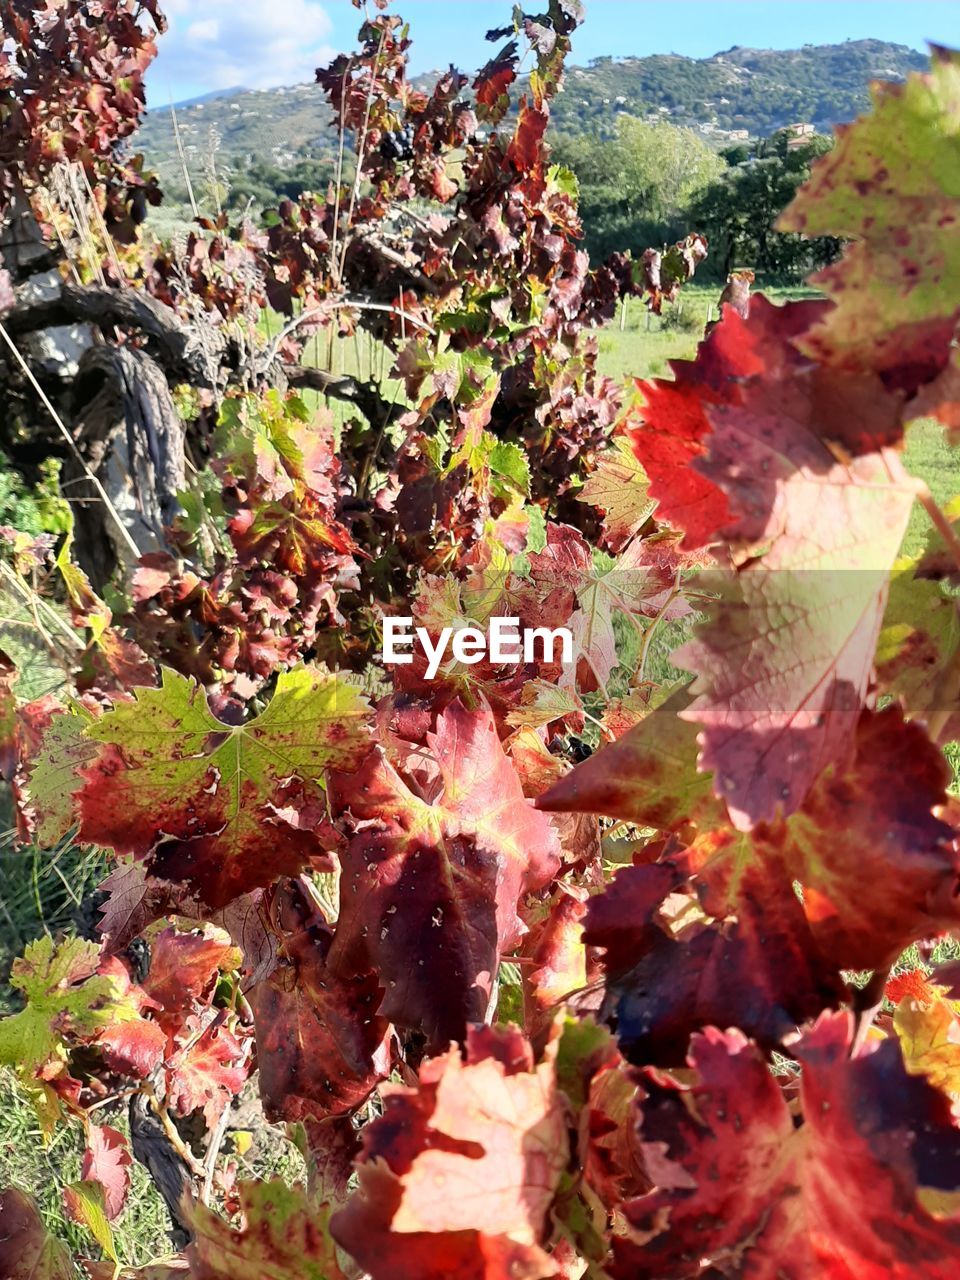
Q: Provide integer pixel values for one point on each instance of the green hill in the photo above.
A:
(757, 90)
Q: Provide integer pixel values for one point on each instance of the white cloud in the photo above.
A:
(207, 30)
(216, 44)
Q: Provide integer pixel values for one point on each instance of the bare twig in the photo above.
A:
(940, 521)
(405, 316)
(415, 218)
(648, 634)
(213, 1151)
(607, 733)
(361, 149)
(173, 1137)
(111, 1098)
(66, 250)
(183, 161)
(107, 237)
(64, 188)
(336, 207)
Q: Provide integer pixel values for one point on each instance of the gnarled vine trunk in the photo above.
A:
(130, 436)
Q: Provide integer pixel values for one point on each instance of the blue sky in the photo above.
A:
(216, 44)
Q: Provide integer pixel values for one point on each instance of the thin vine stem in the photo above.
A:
(361, 149)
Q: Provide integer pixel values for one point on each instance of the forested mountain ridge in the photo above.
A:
(757, 90)
(754, 89)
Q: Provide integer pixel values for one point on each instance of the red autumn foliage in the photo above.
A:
(557, 959)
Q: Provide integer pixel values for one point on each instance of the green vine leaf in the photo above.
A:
(224, 808)
(892, 185)
(63, 992)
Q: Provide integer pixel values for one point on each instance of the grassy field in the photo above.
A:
(647, 342)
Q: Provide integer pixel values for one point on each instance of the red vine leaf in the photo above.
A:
(870, 887)
(493, 81)
(613, 1161)
(184, 968)
(666, 979)
(751, 363)
(525, 151)
(283, 1236)
(206, 1070)
(785, 657)
(834, 1196)
(27, 1251)
(107, 1160)
(873, 886)
(437, 875)
(886, 186)
(134, 900)
(560, 963)
(321, 1048)
(539, 771)
(458, 1175)
(134, 1045)
(941, 398)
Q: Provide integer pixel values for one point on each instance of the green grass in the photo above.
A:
(141, 1231)
(647, 342)
(42, 891)
(43, 1170)
(929, 456)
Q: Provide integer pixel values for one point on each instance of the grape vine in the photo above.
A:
(592, 969)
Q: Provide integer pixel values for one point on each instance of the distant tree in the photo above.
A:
(737, 213)
(737, 154)
(265, 184)
(664, 165)
(635, 187)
